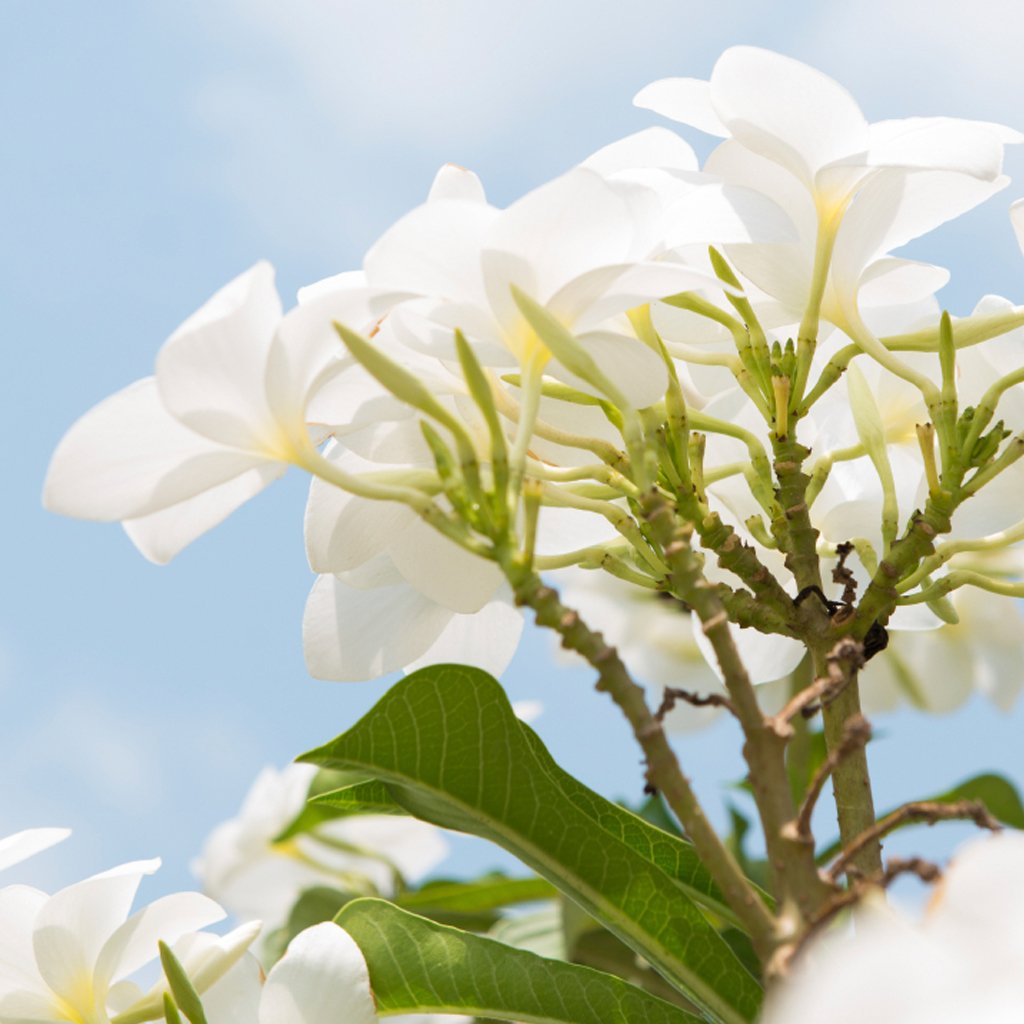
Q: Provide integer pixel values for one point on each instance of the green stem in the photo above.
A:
(851, 780)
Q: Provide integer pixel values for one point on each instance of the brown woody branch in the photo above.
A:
(841, 666)
(673, 694)
(927, 811)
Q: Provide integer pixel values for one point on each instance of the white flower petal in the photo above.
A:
(527, 710)
(352, 635)
(561, 230)
(210, 371)
(1017, 221)
(720, 214)
(891, 281)
(434, 250)
(345, 281)
(134, 943)
(22, 845)
(765, 657)
(601, 294)
(414, 847)
(636, 370)
(235, 998)
(687, 100)
(652, 147)
(128, 457)
(455, 182)
(162, 535)
(321, 979)
(937, 143)
(74, 924)
(895, 207)
(785, 110)
(19, 909)
(306, 353)
(487, 639)
(438, 568)
(344, 531)
(28, 1008)
(560, 530)
(205, 958)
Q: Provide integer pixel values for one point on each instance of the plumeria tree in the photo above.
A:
(706, 428)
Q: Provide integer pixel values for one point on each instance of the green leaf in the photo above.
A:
(370, 797)
(651, 832)
(312, 815)
(446, 742)
(997, 793)
(675, 856)
(416, 965)
(185, 996)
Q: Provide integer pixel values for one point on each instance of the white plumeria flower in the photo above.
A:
(321, 979)
(394, 593)
(67, 957)
(21, 845)
(961, 963)
(694, 208)
(580, 245)
(798, 136)
(172, 455)
(245, 870)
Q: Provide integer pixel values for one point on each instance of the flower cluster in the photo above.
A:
(486, 365)
(74, 956)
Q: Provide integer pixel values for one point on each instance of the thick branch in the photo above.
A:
(857, 732)
(663, 771)
(792, 858)
(851, 782)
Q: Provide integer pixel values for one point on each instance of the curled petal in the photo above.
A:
(487, 639)
(128, 457)
(765, 657)
(438, 568)
(433, 250)
(75, 923)
(687, 100)
(134, 943)
(455, 182)
(351, 634)
(652, 147)
(160, 536)
(22, 845)
(321, 979)
(561, 230)
(211, 370)
(785, 110)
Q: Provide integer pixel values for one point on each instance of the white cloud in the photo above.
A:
(103, 749)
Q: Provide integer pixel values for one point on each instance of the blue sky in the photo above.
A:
(149, 153)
